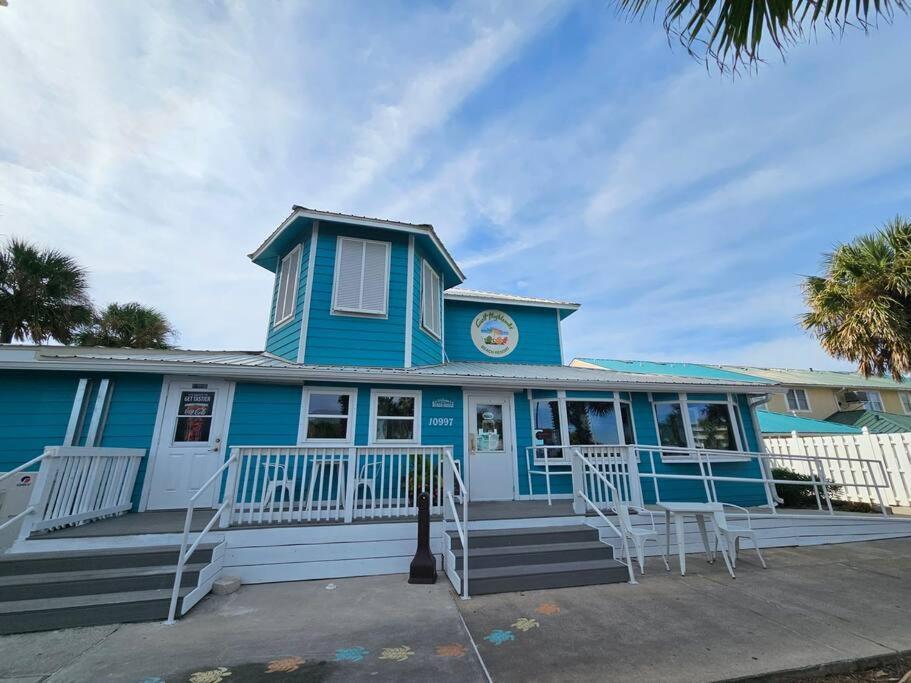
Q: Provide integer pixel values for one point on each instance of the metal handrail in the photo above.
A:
(703, 458)
(461, 529)
(616, 496)
(187, 553)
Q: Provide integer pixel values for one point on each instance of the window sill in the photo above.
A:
(434, 335)
(281, 323)
(359, 314)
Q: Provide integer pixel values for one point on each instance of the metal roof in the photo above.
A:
(661, 368)
(425, 229)
(480, 295)
(779, 423)
(876, 421)
(820, 378)
(247, 364)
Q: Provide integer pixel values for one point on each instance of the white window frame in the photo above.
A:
(305, 415)
(684, 402)
(293, 256)
(879, 399)
(562, 400)
(346, 310)
(904, 397)
(806, 399)
(427, 269)
(396, 393)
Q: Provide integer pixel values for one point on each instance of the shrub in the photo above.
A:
(795, 495)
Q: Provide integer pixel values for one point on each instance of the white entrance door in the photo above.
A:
(491, 455)
(189, 447)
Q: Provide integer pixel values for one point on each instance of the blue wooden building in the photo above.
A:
(380, 377)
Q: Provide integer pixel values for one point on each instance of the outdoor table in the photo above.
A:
(679, 511)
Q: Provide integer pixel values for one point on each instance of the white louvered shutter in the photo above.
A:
(349, 275)
(361, 282)
(374, 286)
(435, 303)
(426, 296)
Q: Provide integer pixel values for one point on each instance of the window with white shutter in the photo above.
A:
(287, 286)
(361, 281)
(430, 300)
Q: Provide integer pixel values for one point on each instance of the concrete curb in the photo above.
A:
(842, 666)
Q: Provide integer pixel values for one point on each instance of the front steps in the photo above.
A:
(61, 589)
(506, 560)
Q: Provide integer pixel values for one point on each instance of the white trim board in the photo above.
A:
(308, 293)
(409, 303)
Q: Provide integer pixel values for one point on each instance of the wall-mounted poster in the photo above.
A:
(194, 416)
(494, 333)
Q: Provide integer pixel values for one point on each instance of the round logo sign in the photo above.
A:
(494, 333)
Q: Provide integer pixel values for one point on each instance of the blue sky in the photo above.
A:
(558, 149)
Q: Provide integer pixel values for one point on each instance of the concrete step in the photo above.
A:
(485, 581)
(94, 581)
(14, 564)
(545, 553)
(24, 616)
(499, 538)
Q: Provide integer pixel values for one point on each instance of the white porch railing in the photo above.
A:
(598, 493)
(296, 484)
(454, 487)
(617, 463)
(824, 470)
(75, 485)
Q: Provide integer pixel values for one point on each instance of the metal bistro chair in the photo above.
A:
(728, 536)
(639, 536)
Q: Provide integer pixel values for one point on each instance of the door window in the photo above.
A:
(489, 417)
(194, 417)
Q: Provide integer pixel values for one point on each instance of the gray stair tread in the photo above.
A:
(90, 574)
(532, 569)
(522, 549)
(523, 531)
(46, 604)
(96, 552)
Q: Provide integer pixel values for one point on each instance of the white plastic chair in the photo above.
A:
(728, 536)
(274, 480)
(366, 477)
(638, 535)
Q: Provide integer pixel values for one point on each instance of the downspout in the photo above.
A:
(763, 463)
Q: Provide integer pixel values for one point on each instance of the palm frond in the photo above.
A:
(731, 32)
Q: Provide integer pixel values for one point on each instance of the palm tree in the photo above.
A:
(43, 294)
(730, 32)
(130, 325)
(860, 308)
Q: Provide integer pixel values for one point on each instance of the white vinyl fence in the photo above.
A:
(841, 456)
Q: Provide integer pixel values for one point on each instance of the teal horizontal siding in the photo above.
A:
(284, 340)
(264, 415)
(334, 339)
(539, 334)
(35, 409)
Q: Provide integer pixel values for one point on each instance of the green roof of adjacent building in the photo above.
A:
(823, 378)
(875, 421)
(781, 423)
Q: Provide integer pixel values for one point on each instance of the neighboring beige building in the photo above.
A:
(820, 393)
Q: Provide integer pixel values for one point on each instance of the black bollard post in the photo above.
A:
(423, 566)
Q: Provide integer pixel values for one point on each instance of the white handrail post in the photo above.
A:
(578, 482)
(230, 490)
(350, 478)
(632, 469)
(547, 476)
(181, 560)
(44, 477)
(448, 477)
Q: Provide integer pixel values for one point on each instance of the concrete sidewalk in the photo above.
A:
(373, 628)
(812, 606)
